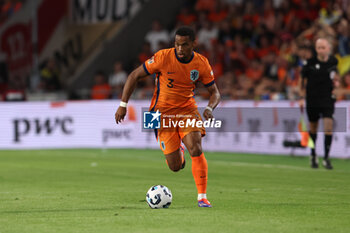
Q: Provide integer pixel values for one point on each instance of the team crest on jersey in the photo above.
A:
(194, 75)
(151, 60)
(163, 145)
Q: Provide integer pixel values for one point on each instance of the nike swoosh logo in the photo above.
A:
(171, 72)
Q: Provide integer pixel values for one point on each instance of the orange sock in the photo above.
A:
(200, 172)
(182, 157)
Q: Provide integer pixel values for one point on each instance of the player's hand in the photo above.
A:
(120, 114)
(336, 83)
(301, 104)
(338, 92)
(207, 114)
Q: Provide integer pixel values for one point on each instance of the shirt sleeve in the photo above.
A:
(154, 64)
(207, 76)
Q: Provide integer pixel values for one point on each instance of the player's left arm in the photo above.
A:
(336, 79)
(214, 100)
(334, 75)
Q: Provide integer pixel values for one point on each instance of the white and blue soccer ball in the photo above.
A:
(159, 196)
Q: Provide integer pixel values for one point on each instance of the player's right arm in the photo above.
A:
(129, 87)
(151, 66)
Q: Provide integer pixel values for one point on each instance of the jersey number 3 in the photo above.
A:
(170, 84)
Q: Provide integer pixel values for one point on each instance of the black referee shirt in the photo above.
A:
(319, 77)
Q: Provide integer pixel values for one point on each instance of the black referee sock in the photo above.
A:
(313, 137)
(327, 145)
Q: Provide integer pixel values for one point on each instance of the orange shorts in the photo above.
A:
(172, 131)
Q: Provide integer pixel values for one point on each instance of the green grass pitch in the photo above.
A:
(104, 191)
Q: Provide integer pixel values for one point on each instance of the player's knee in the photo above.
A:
(175, 167)
(328, 130)
(328, 125)
(196, 150)
(313, 130)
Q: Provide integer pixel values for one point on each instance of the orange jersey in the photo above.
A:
(175, 80)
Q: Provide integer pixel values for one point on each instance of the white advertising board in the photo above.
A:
(255, 127)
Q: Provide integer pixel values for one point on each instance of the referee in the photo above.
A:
(318, 79)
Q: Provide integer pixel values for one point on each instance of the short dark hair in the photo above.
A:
(186, 31)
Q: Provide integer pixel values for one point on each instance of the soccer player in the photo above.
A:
(177, 71)
(319, 76)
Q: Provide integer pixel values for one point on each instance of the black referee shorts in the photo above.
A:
(315, 113)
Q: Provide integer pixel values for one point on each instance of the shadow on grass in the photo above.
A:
(54, 210)
(146, 207)
(86, 209)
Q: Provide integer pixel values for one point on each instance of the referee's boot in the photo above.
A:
(327, 164)
(314, 161)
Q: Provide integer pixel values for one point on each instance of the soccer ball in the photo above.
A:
(159, 196)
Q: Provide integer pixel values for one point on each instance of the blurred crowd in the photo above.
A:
(257, 48)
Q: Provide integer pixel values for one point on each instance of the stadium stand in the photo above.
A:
(8, 8)
(256, 48)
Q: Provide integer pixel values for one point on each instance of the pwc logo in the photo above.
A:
(23, 126)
